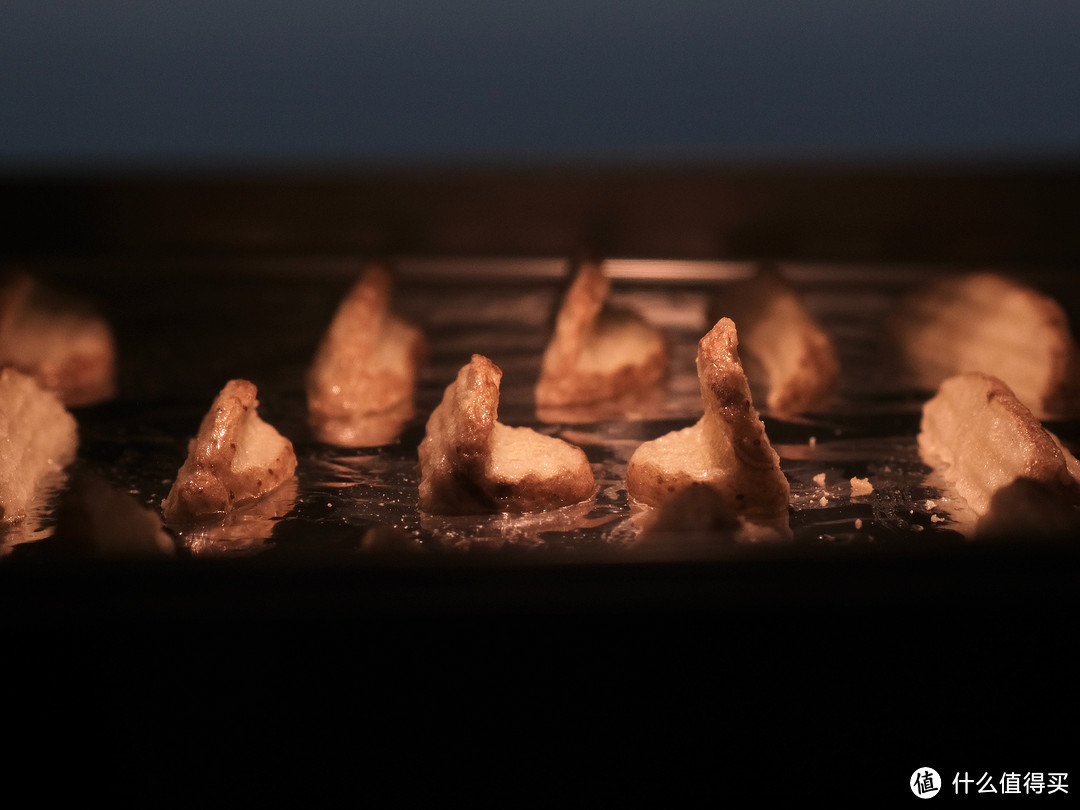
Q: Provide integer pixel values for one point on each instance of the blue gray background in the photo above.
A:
(494, 80)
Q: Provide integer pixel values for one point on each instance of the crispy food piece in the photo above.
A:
(235, 458)
(59, 340)
(362, 380)
(727, 449)
(860, 487)
(787, 352)
(598, 352)
(470, 463)
(996, 454)
(986, 322)
(37, 437)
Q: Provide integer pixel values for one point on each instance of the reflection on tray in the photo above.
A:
(245, 529)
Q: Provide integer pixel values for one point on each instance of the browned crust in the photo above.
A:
(982, 439)
(207, 484)
(797, 381)
(454, 447)
(653, 485)
(469, 491)
(353, 401)
(454, 456)
(583, 314)
(742, 466)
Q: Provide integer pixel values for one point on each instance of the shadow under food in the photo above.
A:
(96, 519)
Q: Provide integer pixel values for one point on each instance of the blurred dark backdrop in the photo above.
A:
(487, 80)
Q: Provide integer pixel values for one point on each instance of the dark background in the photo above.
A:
(485, 80)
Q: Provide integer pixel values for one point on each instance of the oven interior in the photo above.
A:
(343, 598)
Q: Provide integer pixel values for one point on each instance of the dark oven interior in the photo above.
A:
(349, 603)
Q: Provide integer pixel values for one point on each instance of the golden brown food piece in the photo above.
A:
(995, 453)
(787, 352)
(727, 449)
(860, 487)
(470, 463)
(361, 383)
(235, 458)
(37, 437)
(989, 323)
(598, 352)
(57, 339)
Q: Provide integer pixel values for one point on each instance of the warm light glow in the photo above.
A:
(677, 270)
(421, 268)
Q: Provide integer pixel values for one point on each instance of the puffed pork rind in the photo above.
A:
(362, 380)
(58, 339)
(470, 463)
(727, 450)
(994, 452)
(990, 323)
(234, 459)
(789, 355)
(598, 352)
(38, 436)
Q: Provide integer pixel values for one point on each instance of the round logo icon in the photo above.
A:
(925, 783)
